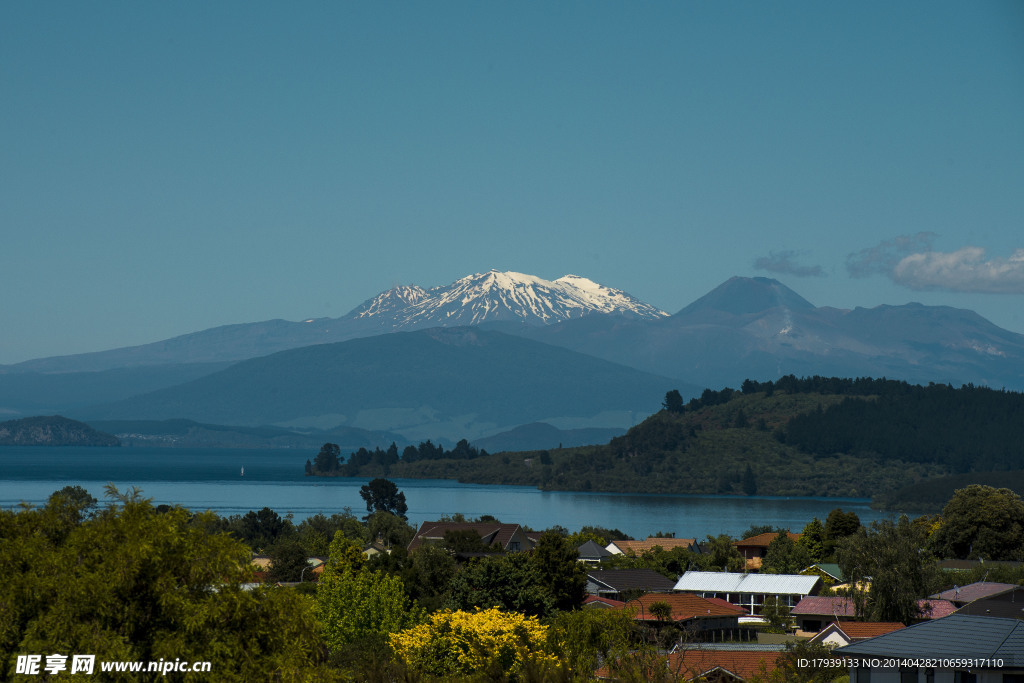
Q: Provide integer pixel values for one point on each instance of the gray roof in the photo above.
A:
(955, 636)
(592, 551)
(725, 582)
(1009, 604)
(620, 580)
(973, 591)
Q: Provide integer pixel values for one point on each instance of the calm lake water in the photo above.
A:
(211, 479)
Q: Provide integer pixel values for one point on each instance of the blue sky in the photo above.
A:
(170, 167)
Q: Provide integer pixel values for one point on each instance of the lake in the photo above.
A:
(212, 479)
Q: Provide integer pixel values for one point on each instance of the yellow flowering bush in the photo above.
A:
(484, 641)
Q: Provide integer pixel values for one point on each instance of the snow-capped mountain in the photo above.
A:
(392, 301)
(501, 297)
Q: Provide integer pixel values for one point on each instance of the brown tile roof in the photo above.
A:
(725, 603)
(641, 547)
(740, 663)
(859, 630)
(685, 606)
(490, 532)
(826, 606)
(762, 540)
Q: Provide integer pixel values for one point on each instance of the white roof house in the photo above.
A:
(749, 590)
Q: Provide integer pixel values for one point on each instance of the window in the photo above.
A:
(863, 675)
(908, 675)
(965, 677)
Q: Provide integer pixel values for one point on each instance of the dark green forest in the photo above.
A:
(812, 436)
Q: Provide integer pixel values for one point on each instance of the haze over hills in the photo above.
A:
(747, 328)
(472, 300)
(757, 328)
(442, 382)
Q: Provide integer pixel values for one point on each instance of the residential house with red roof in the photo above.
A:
(815, 612)
(722, 666)
(700, 618)
(708, 664)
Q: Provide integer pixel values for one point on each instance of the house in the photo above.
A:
(815, 612)
(840, 633)
(960, 648)
(1008, 603)
(263, 563)
(620, 583)
(591, 553)
(962, 595)
(967, 565)
(697, 615)
(755, 548)
(715, 665)
(597, 602)
(650, 543)
(509, 537)
(829, 572)
(708, 663)
(750, 591)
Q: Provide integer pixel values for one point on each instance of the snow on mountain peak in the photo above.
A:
(391, 301)
(503, 296)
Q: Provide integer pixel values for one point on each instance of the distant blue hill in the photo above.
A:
(437, 383)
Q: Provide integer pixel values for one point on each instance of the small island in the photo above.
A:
(52, 430)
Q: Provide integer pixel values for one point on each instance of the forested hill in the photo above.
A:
(814, 436)
(52, 431)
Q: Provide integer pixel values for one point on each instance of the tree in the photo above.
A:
(839, 525)
(673, 402)
(584, 639)
(289, 559)
(662, 611)
(785, 556)
(326, 460)
(389, 529)
(981, 522)
(511, 582)
(892, 556)
(317, 531)
(262, 529)
(560, 570)
(132, 583)
(777, 613)
(749, 482)
(722, 555)
(359, 607)
(383, 495)
(813, 539)
(493, 643)
(427, 574)
(467, 541)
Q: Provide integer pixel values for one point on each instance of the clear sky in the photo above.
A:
(170, 167)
